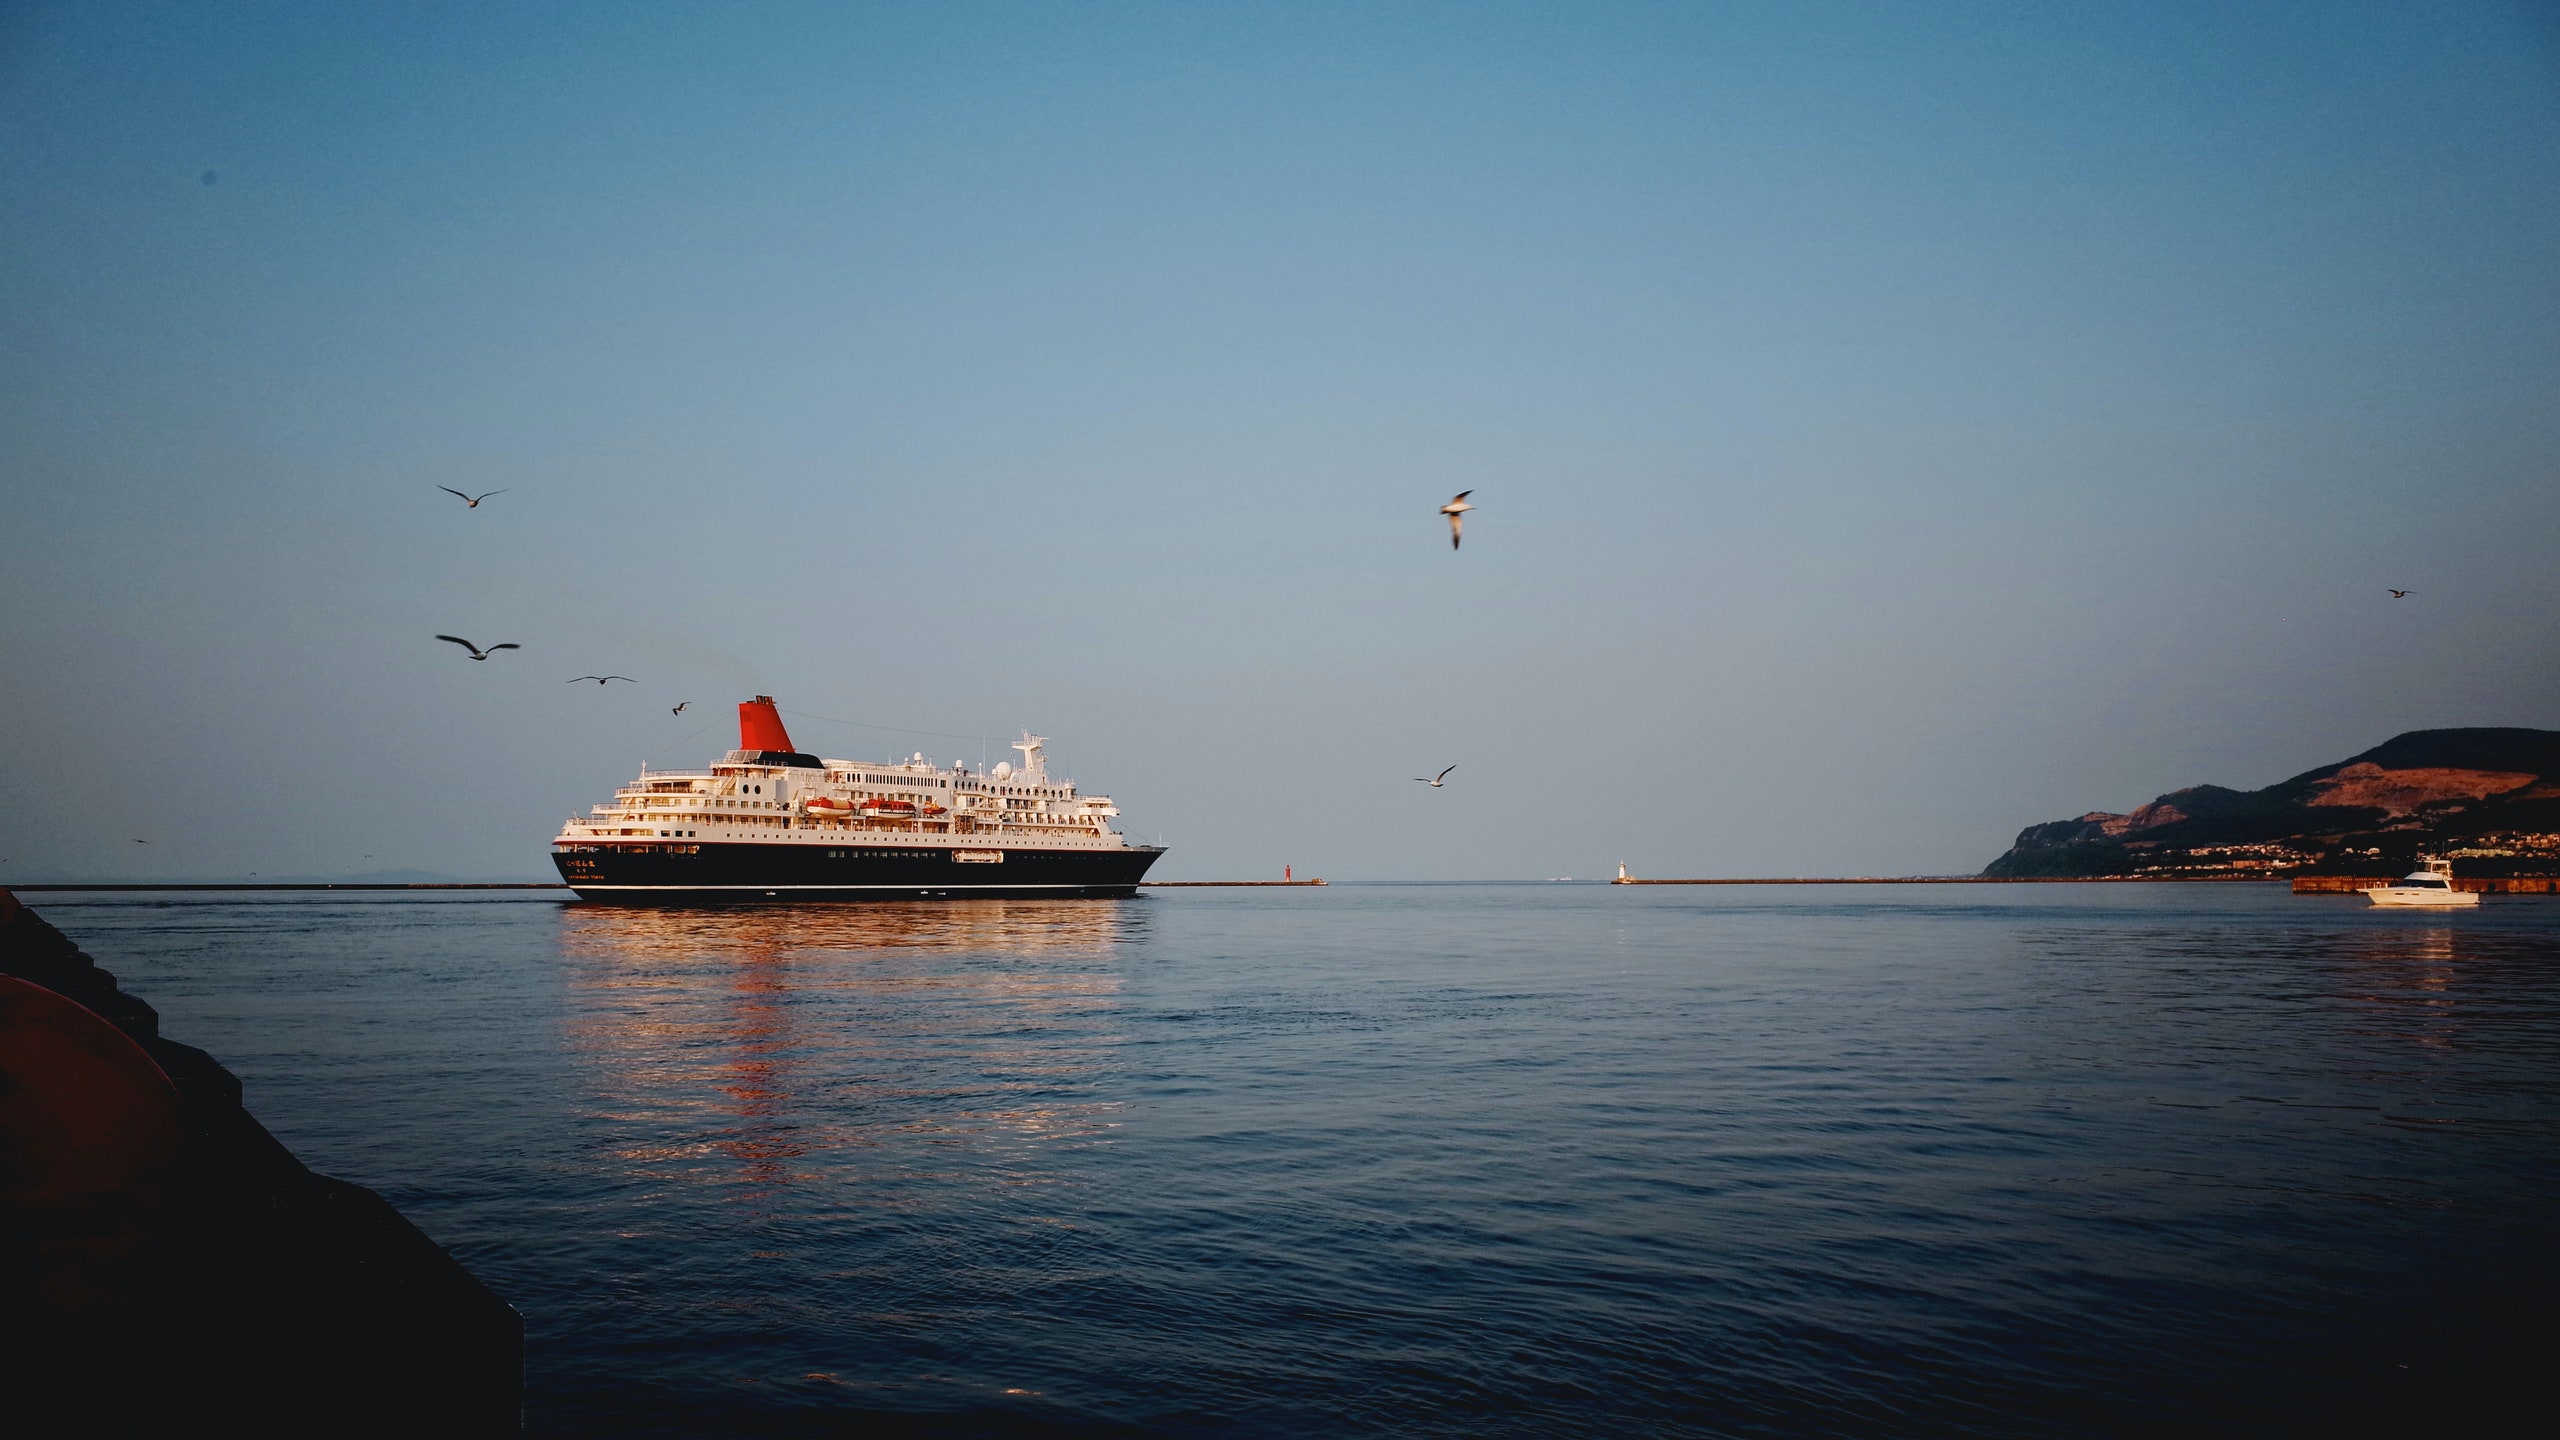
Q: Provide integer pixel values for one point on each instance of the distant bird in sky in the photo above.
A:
(600, 679)
(1456, 510)
(469, 502)
(679, 707)
(476, 652)
(141, 842)
(2399, 594)
(1434, 781)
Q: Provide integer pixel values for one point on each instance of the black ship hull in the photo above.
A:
(735, 872)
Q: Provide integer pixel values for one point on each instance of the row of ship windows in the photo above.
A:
(911, 853)
(1080, 822)
(689, 849)
(656, 797)
(1005, 818)
(661, 802)
(679, 832)
(656, 793)
(920, 782)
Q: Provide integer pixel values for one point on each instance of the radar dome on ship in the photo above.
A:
(1003, 770)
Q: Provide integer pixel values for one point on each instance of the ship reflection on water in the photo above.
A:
(849, 1045)
(2410, 985)
(996, 926)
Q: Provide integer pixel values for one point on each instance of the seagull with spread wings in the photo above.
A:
(1456, 510)
(476, 652)
(679, 707)
(469, 502)
(2400, 594)
(600, 679)
(1434, 781)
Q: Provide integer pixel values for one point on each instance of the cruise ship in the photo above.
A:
(769, 822)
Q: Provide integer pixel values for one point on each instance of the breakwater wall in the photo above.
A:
(1972, 880)
(2485, 885)
(1208, 884)
(177, 1271)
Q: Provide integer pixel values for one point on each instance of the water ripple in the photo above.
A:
(1426, 1161)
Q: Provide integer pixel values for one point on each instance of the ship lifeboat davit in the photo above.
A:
(822, 807)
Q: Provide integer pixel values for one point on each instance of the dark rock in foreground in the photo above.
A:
(2488, 797)
(169, 1268)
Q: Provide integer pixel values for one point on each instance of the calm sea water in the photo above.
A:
(1435, 1160)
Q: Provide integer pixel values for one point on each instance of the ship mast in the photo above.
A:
(1035, 768)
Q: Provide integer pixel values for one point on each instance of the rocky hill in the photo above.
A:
(2488, 797)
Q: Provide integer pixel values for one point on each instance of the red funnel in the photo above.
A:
(760, 725)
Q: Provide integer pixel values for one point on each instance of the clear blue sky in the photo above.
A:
(1893, 424)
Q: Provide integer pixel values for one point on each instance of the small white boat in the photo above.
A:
(2430, 885)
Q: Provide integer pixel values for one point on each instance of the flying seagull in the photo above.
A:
(1434, 781)
(469, 502)
(679, 707)
(141, 842)
(476, 652)
(2399, 594)
(1456, 510)
(600, 679)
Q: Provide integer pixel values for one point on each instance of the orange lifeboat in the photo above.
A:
(878, 809)
(822, 807)
(931, 810)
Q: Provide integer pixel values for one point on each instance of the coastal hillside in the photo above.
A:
(2488, 797)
